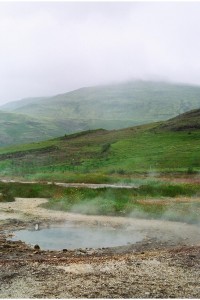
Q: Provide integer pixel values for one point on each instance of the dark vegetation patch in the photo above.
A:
(187, 121)
(82, 133)
(20, 154)
(29, 190)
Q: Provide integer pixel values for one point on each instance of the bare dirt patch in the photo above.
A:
(165, 264)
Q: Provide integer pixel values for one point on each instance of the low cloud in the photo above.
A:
(49, 48)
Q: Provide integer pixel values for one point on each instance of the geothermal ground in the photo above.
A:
(166, 263)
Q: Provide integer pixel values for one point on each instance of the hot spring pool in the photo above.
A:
(73, 237)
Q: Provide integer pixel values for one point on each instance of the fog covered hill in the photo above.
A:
(140, 101)
(110, 107)
(18, 128)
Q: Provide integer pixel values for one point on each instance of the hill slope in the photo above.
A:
(18, 128)
(187, 121)
(139, 101)
(15, 128)
(146, 148)
(109, 107)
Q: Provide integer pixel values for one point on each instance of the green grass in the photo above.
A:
(27, 190)
(153, 199)
(88, 158)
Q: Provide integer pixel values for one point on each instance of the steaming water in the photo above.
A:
(71, 237)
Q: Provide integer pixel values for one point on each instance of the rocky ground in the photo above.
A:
(166, 264)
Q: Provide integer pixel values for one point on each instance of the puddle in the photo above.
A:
(73, 237)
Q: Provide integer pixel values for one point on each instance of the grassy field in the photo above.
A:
(105, 156)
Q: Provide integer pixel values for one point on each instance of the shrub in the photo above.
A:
(190, 170)
(6, 197)
(105, 147)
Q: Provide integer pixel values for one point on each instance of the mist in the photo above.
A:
(54, 47)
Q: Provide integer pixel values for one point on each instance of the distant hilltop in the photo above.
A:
(109, 106)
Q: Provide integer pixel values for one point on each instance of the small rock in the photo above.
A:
(37, 247)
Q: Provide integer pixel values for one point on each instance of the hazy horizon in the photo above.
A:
(103, 85)
(49, 48)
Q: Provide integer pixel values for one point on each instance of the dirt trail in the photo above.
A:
(86, 185)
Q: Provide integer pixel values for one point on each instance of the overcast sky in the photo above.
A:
(48, 48)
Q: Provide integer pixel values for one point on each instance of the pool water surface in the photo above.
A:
(73, 237)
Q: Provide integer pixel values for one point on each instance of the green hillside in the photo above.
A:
(110, 107)
(17, 128)
(101, 155)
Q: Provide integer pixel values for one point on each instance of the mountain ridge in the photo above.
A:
(108, 106)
